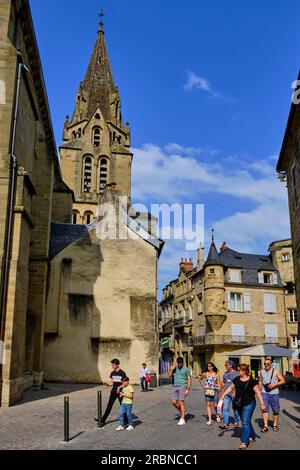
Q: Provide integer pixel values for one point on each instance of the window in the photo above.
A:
(285, 257)
(212, 271)
(271, 333)
(294, 186)
(267, 278)
(87, 185)
(235, 302)
(293, 316)
(294, 342)
(289, 288)
(97, 116)
(270, 304)
(96, 137)
(238, 332)
(238, 302)
(234, 275)
(76, 216)
(88, 217)
(103, 172)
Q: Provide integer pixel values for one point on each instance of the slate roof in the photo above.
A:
(234, 259)
(213, 258)
(63, 235)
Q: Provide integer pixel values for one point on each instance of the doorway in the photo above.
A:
(255, 364)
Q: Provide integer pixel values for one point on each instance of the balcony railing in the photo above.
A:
(211, 338)
(182, 321)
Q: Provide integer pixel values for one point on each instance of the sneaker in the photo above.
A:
(223, 426)
(181, 422)
(235, 426)
(129, 428)
(209, 423)
(120, 428)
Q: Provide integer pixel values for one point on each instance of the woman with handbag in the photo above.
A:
(145, 377)
(210, 382)
(244, 402)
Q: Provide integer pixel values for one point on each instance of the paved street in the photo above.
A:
(37, 423)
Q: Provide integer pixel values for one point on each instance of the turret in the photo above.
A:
(214, 289)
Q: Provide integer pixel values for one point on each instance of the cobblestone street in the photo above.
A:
(37, 423)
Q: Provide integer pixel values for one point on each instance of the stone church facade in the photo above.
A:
(70, 300)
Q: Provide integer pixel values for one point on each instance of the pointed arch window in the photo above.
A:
(87, 181)
(103, 171)
(96, 136)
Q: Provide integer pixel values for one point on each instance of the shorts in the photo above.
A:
(214, 399)
(271, 400)
(179, 393)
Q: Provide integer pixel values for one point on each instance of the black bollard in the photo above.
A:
(99, 395)
(67, 419)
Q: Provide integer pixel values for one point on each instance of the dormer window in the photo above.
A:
(96, 137)
(267, 278)
(234, 275)
(97, 116)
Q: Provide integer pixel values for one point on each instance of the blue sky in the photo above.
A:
(206, 87)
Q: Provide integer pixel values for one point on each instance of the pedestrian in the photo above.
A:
(245, 390)
(181, 387)
(145, 376)
(228, 377)
(116, 377)
(210, 382)
(126, 392)
(269, 383)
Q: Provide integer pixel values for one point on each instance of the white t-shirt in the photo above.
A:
(144, 372)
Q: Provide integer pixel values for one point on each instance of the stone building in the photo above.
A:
(72, 297)
(96, 144)
(288, 168)
(231, 301)
(32, 193)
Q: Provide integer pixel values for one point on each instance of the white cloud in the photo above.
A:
(174, 177)
(196, 82)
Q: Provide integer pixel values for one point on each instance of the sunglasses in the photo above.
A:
(267, 364)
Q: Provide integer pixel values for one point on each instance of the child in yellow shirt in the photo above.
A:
(126, 391)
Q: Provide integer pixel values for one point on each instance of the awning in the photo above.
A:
(262, 350)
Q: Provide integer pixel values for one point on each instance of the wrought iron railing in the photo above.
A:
(211, 338)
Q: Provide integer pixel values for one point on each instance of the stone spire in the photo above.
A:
(98, 85)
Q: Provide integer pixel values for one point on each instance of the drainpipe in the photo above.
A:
(9, 217)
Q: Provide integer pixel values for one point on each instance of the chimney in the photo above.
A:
(200, 257)
(224, 247)
(186, 265)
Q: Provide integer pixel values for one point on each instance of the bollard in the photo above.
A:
(66, 419)
(99, 394)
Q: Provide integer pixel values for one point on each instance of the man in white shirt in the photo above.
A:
(144, 372)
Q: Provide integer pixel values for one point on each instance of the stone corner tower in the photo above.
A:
(96, 145)
(214, 290)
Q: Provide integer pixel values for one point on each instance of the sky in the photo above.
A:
(206, 87)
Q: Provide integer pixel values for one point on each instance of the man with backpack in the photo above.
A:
(269, 382)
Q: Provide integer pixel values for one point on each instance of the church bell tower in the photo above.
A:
(95, 153)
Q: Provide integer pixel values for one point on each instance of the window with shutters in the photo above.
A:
(267, 278)
(285, 257)
(271, 333)
(270, 303)
(87, 179)
(293, 317)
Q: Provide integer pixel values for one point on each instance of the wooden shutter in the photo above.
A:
(274, 278)
(270, 303)
(228, 301)
(247, 302)
(261, 278)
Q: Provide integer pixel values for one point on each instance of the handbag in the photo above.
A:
(148, 378)
(209, 392)
(237, 403)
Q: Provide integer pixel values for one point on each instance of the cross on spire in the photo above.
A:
(101, 14)
(213, 235)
